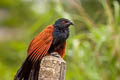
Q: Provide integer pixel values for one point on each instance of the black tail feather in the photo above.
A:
(35, 71)
(24, 71)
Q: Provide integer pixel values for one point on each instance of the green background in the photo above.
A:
(93, 48)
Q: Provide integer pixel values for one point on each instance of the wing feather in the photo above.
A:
(40, 44)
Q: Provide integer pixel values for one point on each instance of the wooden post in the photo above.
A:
(51, 68)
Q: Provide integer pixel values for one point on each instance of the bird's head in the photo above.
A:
(63, 23)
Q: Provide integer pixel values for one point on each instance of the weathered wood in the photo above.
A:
(50, 68)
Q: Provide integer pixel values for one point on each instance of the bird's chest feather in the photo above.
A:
(60, 36)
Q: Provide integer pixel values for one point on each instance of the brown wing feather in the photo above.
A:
(40, 44)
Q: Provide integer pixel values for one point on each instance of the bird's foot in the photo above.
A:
(55, 54)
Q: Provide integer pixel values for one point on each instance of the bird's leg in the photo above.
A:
(55, 54)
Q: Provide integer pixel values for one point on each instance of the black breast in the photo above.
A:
(59, 37)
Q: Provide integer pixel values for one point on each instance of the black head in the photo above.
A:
(63, 23)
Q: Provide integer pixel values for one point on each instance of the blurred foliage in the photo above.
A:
(93, 48)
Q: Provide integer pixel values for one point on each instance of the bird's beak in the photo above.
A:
(68, 24)
(71, 23)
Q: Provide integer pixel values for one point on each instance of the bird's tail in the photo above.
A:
(24, 71)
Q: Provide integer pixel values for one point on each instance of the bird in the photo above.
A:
(51, 39)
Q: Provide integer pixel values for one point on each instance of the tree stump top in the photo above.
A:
(52, 68)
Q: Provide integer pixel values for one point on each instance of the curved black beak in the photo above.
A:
(71, 23)
(68, 24)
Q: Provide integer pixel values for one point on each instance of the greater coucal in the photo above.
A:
(51, 39)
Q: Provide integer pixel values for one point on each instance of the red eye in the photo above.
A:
(63, 22)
